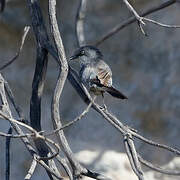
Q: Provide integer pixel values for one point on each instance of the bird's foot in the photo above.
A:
(104, 107)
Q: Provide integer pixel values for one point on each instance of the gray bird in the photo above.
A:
(94, 73)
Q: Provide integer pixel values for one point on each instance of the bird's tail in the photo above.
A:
(115, 93)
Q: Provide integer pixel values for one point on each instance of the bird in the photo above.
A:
(94, 73)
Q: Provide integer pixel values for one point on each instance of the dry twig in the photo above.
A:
(131, 20)
(26, 30)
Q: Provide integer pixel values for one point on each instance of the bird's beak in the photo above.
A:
(73, 57)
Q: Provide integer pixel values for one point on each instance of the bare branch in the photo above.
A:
(72, 122)
(150, 142)
(77, 168)
(139, 18)
(36, 136)
(63, 163)
(6, 109)
(15, 105)
(129, 6)
(31, 170)
(8, 141)
(26, 30)
(80, 16)
(158, 169)
(122, 25)
(132, 155)
(161, 24)
(38, 80)
(48, 169)
(118, 125)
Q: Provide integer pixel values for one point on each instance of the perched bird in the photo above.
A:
(94, 73)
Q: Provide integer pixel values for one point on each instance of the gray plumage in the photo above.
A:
(95, 74)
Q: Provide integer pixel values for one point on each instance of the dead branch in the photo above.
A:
(8, 141)
(38, 81)
(80, 17)
(31, 170)
(46, 147)
(160, 24)
(7, 113)
(137, 16)
(131, 20)
(72, 122)
(124, 130)
(26, 30)
(59, 86)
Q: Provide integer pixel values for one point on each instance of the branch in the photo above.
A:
(160, 24)
(26, 30)
(137, 16)
(80, 16)
(158, 169)
(72, 122)
(77, 168)
(6, 110)
(132, 155)
(31, 170)
(38, 80)
(119, 126)
(131, 20)
(8, 141)
(15, 105)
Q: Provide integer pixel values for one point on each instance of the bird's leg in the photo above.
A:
(104, 105)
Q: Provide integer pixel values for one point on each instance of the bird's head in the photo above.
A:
(87, 54)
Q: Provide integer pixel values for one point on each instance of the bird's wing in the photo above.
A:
(104, 74)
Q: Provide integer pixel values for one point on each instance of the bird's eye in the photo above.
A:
(82, 52)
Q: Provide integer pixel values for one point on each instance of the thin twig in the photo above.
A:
(135, 160)
(130, 157)
(31, 170)
(138, 17)
(72, 122)
(150, 142)
(52, 172)
(15, 105)
(36, 134)
(63, 163)
(124, 24)
(26, 30)
(158, 169)
(160, 24)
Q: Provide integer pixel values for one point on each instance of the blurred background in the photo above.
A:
(146, 69)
